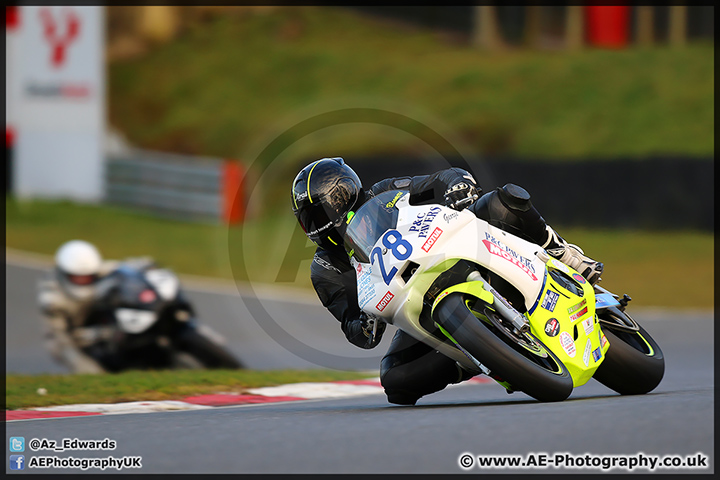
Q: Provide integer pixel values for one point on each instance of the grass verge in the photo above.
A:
(218, 87)
(22, 390)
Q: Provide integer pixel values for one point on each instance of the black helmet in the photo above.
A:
(323, 194)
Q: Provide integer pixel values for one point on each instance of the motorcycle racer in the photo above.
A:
(325, 194)
(71, 294)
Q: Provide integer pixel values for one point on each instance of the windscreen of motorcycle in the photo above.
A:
(135, 321)
(370, 222)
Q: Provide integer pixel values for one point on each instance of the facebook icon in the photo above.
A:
(17, 462)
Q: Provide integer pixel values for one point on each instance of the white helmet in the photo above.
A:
(78, 266)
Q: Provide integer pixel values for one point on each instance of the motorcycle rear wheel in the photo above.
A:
(634, 363)
(522, 361)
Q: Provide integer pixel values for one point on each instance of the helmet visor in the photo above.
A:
(81, 279)
(316, 220)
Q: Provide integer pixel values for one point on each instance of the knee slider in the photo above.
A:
(427, 374)
(395, 385)
(401, 398)
(515, 197)
(392, 378)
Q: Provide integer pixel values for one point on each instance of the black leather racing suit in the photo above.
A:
(411, 369)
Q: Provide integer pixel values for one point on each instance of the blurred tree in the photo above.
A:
(533, 25)
(644, 25)
(487, 31)
(574, 27)
(512, 19)
(122, 39)
(159, 23)
(678, 25)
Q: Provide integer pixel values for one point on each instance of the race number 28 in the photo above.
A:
(398, 246)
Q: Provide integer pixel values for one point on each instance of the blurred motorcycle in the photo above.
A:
(145, 322)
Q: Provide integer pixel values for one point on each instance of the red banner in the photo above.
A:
(608, 26)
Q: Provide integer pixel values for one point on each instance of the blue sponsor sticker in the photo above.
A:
(550, 300)
(597, 354)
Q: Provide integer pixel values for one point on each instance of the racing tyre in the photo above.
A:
(207, 352)
(634, 363)
(185, 361)
(522, 361)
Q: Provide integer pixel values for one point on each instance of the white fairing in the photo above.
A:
(164, 281)
(435, 234)
(134, 321)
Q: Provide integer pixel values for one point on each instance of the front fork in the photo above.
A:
(502, 307)
(478, 287)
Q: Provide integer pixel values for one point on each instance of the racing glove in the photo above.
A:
(460, 195)
(360, 331)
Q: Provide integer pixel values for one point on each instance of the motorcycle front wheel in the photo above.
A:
(634, 363)
(207, 352)
(521, 360)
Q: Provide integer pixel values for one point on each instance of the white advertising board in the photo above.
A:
(58, 71)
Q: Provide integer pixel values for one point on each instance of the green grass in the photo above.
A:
(41, 226)
(223, 85)
(21, 390)
(253, 252)
(667, 269)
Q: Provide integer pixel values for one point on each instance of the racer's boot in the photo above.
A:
(573, 256)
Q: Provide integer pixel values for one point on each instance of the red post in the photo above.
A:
(12, 25)
(12, 22)
(608, 26)
(233, 195)
(12, 17)
(9, 137)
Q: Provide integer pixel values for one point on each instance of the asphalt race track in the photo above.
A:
(366, 434)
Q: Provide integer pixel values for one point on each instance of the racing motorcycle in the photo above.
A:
(144, 322)
(495, 303)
